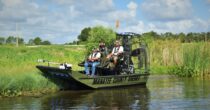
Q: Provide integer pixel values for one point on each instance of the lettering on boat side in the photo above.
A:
(102, 80)
(133, 78)
(120, 79)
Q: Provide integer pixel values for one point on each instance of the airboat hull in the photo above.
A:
(67, 79)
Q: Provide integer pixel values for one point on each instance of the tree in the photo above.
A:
(37, 41)
(31, 42)
(11, 40)
(169, 35)
(2, 40)
(181, 37)
(189, 37)
(99, 33)
(207, 36)
(46, 42)
(85, 33)
(20, 41)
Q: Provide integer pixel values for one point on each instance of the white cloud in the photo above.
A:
(62, 20)
(194, 25)
(181, 25)
(124, 15)
(132, 6)
(12, 3)
(118, 14)
(167, 9)
(139, 27)
(35, 21)
(88, 5)
(100, 22)
(73, 12)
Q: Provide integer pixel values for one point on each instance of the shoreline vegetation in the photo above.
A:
(19, 77)
(181, 59)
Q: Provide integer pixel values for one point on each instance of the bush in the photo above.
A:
(183, 71)
(98, 34)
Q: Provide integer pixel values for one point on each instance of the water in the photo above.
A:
(161, 93)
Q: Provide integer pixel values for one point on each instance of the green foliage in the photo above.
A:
(37, 41)
(46, 42)
(11, 40)
(196, 57)
(2, 40)
(20, 41)
(31, 42)
(189, 37)
(18, 72)
(183, 71)
(85, 33)
(98, 34)
(183, 59)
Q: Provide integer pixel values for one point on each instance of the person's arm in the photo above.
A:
(89, 58)
(112, 51)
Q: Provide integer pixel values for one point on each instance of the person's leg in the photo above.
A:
(115, 60)
(87, 72)
(94, 64)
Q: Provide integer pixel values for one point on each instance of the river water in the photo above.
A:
(161, 93)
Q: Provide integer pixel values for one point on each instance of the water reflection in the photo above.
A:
(161, 93)
(121, 98)
(169, 92)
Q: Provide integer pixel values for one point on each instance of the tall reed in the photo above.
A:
(183, 59)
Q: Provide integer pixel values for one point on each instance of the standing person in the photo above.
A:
(116, 52)
(93, 60)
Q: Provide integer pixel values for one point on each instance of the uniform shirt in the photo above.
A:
(95, 55)
(118, 49)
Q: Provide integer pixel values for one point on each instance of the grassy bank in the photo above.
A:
(183, 59)
(18, 73)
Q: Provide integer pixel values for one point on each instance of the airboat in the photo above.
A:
(133, 69)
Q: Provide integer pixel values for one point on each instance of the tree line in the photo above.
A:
(183, 37)
(13, 40)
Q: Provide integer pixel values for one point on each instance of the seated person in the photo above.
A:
(93, 60)
(103, 48)
(117, 50)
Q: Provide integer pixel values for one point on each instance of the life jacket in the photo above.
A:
(93, 55)
(116, 49)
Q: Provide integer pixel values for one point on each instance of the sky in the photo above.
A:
(61, 21)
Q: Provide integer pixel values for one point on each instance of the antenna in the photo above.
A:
(16, 35)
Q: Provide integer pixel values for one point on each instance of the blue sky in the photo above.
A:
(61, 21)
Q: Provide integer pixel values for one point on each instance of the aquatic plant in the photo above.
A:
(182, 59)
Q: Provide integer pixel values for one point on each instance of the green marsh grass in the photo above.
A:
(182, 59)
(18, 72)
